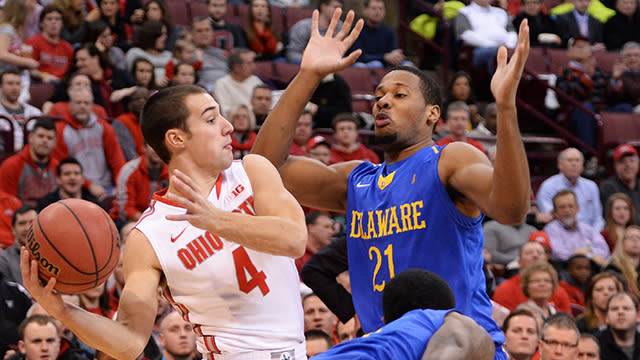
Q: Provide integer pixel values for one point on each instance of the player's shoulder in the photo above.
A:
(255, 162)
(459, 154)
(139, 248)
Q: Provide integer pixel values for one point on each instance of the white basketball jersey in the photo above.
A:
(238, 299)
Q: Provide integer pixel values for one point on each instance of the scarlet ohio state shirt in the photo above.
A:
(238, 300)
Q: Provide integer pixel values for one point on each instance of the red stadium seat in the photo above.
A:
(606, 59)
(378, 74)
(285, 71)
(557, 59)
(179, 13)
(277, 19)
(359, 79)
(242, 13)
(265, 70)
(40, 93)
(199, 9)
(292, 15)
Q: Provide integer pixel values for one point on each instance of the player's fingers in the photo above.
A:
(501, 58)
(187, 180)
(50, 284)
(345, 62)
(346, 25)
(24, 263)
(355, 32)
(182, 201)
(314, 23)
(333, 25)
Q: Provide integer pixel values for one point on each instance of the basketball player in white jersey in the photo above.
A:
(220, 241)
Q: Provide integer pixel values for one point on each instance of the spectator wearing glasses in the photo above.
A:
(560, 338)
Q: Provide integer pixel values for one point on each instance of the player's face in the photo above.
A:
(621, 314)
(602, 291)
(10, 87)
(400, 113)
(317, 315)
(70, 179)
(42, 142)
(558, 344)
(40, 342)
(209, 138)
(521, 336)
(588, 349)
(22, 225)
(177, 336)
(52, 24)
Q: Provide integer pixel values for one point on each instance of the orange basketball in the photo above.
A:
(76, 242)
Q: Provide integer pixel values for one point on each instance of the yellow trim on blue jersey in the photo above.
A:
(384, 181)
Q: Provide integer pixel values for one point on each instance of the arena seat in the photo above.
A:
(557, 59)
(199, 9)
(285, 71)
(265, 70)
(277, 19)
(606, 59)
(40, 93)
(6, 137)
(179, 13)
(292, 15)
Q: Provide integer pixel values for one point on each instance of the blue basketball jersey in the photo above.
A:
(405, 338)
(400, 216)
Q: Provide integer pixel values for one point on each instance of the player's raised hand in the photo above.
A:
(504, 83)
(200, 212)
(44, 295)
(324, 54)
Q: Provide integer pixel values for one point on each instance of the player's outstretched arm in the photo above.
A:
(322, 56)
(278, 227)
(459, 338)
(501, 192)
(121, 339)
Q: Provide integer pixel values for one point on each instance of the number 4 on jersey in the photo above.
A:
(244, 266)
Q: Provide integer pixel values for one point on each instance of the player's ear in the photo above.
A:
(21, 347)
(432, 115)
(174, 138)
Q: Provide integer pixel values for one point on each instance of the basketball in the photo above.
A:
(76, 242)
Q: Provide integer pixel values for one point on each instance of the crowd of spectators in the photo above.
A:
(565, 281)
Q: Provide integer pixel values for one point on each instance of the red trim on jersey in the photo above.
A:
(219, 185)
(160, 196)
(210, 344)
(184, 312)
(149, 211)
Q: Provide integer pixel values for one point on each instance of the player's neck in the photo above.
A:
(204, 178)
(392, 154)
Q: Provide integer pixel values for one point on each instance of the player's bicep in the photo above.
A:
(468, 171)
(139, 300)
(316, 185)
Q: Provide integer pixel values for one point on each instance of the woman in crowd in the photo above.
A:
(110, 84)
(109, 12)
(539, 282)
(262, 39)
(599, 289)
(619, 214)
(243, 134)
(157, 10)
(13, 53)
(460, 90)
(626, 258)
(142, 72)
(73, 16)
(99, 33)
(97, 301)
(149, 44)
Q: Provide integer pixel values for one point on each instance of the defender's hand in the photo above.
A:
(504, 83)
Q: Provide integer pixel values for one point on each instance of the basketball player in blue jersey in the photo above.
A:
(421, 324)
(423, 206)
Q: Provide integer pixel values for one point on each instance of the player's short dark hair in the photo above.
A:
(50, 9)
(311, 217)
(431, 90)
(415, 289)
(45, 123)
(314, 334)
(163, 111)
(39, 319)
(8, 71)
(19, 211)
(518, 312)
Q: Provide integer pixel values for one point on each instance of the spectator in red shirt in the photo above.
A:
(457, 121)
(138, 180)
(302, 134)
(8, 205)
(579, 270)
(127, 125)
(30, 174)
(54, 54)
(346, 146)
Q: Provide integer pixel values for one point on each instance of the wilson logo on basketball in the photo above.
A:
(34, 246)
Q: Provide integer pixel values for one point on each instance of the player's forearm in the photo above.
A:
(103, 334)
(511, 182)
(276, 134)
(270, 234)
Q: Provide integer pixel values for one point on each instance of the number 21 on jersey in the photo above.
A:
(245, 267)
(376, 256)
